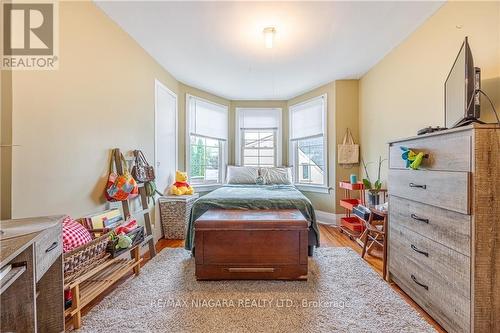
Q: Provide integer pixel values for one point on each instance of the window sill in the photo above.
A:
(206, 187)
(313, 188)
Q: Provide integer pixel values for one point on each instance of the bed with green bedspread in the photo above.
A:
(249, 197)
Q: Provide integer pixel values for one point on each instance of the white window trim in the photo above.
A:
(323, 188)
(238, 136)
(222, 164)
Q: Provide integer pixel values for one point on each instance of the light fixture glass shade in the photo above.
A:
(269, 36)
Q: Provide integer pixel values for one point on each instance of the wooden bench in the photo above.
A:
(251, 244)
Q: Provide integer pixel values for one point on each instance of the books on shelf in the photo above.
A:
(106, 219)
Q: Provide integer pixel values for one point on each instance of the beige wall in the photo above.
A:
(65, 121)
(5, 142)
(346, 116)
(404, 91)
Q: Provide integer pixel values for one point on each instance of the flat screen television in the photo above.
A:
(461, 103)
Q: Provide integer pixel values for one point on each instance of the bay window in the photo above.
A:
(207, 128)
(258, 137)
(308, 144)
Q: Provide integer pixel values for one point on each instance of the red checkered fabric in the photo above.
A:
(74, 234)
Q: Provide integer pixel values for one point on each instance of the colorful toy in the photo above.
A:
(181, 186)
(124, 242)
(413, 160)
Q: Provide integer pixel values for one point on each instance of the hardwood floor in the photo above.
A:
(329, 235)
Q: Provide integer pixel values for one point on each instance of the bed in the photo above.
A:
(252, 197)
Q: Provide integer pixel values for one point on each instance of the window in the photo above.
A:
(207, 137)
(205, 160)
(308, 143)
(310, 154)
(259, 148)
(258, 136)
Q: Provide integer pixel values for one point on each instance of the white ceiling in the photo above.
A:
(219, 47)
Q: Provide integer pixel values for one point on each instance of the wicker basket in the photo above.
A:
(175, 212)
(84, 258)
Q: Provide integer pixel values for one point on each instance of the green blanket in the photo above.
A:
(253, 197)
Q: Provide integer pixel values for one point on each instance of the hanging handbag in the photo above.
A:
(348, 151)
(142, 171)
(120, 187)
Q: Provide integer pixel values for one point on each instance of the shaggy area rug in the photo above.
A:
(342, 294)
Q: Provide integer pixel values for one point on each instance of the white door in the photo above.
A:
(165, 136)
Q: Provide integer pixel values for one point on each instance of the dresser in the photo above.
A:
(31, 292)
(444, 226)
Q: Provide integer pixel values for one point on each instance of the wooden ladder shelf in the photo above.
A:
(148, 239)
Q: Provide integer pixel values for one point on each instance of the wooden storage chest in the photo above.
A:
(251, 244)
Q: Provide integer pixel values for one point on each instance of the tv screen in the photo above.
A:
(459, 88)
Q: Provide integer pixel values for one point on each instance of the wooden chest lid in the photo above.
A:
(250, 219)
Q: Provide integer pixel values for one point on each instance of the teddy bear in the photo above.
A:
(181, 186)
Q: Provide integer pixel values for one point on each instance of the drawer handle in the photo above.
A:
(414, 248)
(421, 219)
(250, 270)
(420, 284)
(417, 185)
(50, 248)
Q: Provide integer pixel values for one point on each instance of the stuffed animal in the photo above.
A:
(181, 186)
(413, 160)
(124, 242)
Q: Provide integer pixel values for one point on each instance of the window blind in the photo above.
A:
(207, 119)
(306, 119)
(259, 118)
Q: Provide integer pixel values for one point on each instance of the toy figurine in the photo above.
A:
(181, 186)
(413, 160)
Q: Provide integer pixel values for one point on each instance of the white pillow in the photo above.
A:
(241, 174)
(277, 176)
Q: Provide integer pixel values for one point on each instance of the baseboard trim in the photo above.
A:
(327, 218)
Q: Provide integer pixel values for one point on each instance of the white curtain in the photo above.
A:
(208, 119)
(259, 118)
(307, 119)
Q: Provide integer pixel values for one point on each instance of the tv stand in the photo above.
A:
(468, 121)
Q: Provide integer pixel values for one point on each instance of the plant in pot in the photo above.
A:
(373, 187)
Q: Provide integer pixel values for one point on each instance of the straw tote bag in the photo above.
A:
(348, 151)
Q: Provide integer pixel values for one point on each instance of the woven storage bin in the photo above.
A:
(175, 212)
(84, 258)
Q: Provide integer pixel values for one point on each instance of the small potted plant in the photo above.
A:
(373, 188)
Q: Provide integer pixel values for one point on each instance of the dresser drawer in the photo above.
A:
(47, 249)
(451, 311)
(446, 153)
(449, 190)
(449, 228)
(439, 261)
(439, 281)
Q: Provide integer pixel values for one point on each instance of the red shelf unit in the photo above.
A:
(349, 204)
(351, 225)
(352, 187)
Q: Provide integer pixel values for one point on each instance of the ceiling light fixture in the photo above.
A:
(269, 33)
